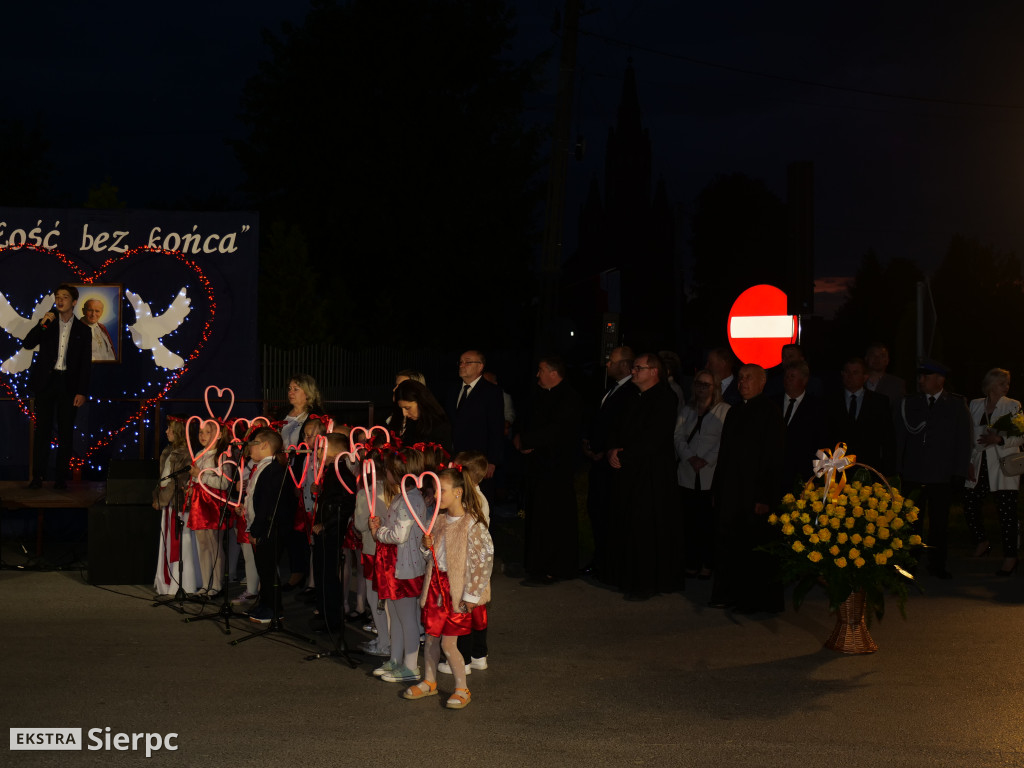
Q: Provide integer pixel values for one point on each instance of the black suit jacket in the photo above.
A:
(79, 355)
(805, 434)
(607, 416)
(479, 425)
(267, 493)
(870, 436)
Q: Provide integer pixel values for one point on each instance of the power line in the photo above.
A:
(799, 81)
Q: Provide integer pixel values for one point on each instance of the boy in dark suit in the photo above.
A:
(59, 379)
(268, 506)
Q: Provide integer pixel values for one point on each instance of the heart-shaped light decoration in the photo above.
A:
(367, 433)
(370, 485)
(349, 456)
(319, 457)
(188, 436)
(248, 427)
(418, 479)
(222, 461)
(300, 448)
(220, 393)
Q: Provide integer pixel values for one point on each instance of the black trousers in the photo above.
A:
(325, 572)
(934, 500)
(266, 554)
(54, 399)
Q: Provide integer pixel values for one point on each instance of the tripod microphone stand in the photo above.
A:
(276, 625)
(340, 649)
(176, 603)
(226, 612)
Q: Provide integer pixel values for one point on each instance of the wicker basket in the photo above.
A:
(850, 634)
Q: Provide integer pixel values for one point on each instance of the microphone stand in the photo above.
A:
(340, 649)
(276, 625)
(180, 597)
(226, 612)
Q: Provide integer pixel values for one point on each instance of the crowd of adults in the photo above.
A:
(681, 484)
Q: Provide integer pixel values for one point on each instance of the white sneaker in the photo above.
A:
(446, 669)
(245, 597)
(476, 663)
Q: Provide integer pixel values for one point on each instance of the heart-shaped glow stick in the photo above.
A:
(188, 436)
(350, 456)
(305, 464)
(319, 457)
(220, 393)
(437, 498)
(367, 433)
(219, 472)
(250, 427)
(370, 485)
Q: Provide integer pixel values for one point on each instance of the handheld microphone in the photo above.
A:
(44, 322)
(178, 472)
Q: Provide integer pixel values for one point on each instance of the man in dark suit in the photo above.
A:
(934, 454)
(804, 415)
(722, 364)
(59, 380)
(476, 411)
(599, 502)
(862, 419)
(746, 488)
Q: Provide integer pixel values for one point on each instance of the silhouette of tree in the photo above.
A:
(390, 134)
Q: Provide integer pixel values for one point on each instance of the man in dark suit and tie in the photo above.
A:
(804, 416)
(599, 502)
(934, 453)
(59, 380)
(477, 412)
(862, 419)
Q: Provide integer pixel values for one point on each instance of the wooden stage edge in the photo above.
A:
(15, 494)
(78, 495)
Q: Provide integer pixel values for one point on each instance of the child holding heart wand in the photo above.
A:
(458, 578)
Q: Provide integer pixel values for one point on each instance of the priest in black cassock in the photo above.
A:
(747, 486)
(550, 440)
(646, 521)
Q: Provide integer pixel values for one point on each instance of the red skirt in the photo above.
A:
(352, 539)
(241, 535)
(438, 617)
(203, 509)
(387, 585)
(367, 562)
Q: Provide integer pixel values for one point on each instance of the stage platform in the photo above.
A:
(16, 495)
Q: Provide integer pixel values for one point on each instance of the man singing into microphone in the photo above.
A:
(59, 380)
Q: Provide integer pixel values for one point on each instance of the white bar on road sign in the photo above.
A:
(762, 327)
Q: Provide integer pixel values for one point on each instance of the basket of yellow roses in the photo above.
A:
(854, 539)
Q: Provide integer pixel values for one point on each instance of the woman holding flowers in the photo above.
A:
(997, 433)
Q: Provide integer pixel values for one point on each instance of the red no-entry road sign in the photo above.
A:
(759, 326)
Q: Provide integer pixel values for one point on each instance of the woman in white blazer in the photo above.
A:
(985, 474)
(697, 438)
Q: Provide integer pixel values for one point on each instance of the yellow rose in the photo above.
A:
(869, 528)
(784, 518)
(872, 502)
(883, 505)
(854, 553)
(911, 516)
(887, 553)
(814, 556)
(871, 514)
(800, 504)
(833, 550)
(805, 518)
(896, 524)
(842, 537)
(817, 506)
(788, 498)
(788, 529)
(773, 518)
(883, 533)
(840, 562)
(869, 541)
(830, 508)
(856, 538)
(915, 541)
(880, 558)
(850, 522)
(897, 543)
(822, 519)
(813, 538)
(842, 498)
(859, 562)
(834, 523)
(798, 546)
(825, 534)
(808, 530)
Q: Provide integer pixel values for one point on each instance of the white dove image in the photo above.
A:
(148, 329)
(18, 327)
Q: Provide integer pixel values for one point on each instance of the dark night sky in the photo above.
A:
(148, 97)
